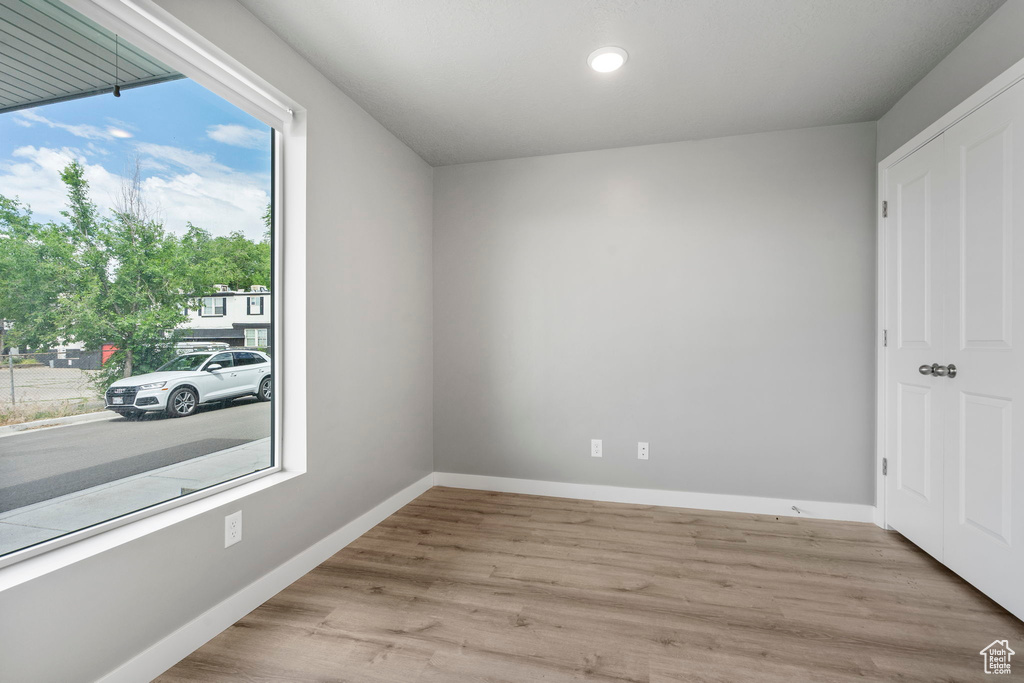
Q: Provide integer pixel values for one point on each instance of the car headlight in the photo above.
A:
(152, 385)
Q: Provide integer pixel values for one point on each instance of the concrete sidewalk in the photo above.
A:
(40, 522)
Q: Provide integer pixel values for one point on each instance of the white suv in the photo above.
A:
(180, 386)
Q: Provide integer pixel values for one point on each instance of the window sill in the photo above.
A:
(31, 563)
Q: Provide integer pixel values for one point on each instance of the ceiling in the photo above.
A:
(475, 80)
(49, 52)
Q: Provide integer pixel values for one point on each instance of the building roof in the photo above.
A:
(50, 53)
(219, 333)
(233, 292)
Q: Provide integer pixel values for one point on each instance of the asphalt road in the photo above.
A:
(43, 464)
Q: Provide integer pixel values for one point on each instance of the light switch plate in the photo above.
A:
(643, 450)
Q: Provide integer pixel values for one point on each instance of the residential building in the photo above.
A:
(233, 317)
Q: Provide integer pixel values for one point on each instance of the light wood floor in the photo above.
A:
(475, 586)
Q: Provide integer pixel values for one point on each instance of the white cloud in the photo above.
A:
(239, 136)
(96, 150)
(150, 164)
(186, 186)
(194, 161)
(33, 176)
(218, 205)
(204, 191)
(28, 117)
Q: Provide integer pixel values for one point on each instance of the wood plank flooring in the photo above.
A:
(477, 586)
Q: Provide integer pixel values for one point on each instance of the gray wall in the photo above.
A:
(991, 49)
(714, 298)
(369, 424)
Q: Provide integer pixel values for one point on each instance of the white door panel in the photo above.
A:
(914, 444)
(984, 291)
(914, 438)
(983, 459)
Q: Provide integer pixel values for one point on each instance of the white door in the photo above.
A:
(984, 281)
(914, 308)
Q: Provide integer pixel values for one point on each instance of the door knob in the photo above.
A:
(937, 370)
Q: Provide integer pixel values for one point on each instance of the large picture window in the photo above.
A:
(136, 229)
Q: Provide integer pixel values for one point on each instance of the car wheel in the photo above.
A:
(182, 402)
(266, 390)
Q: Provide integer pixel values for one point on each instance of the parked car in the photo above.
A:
(180, 386)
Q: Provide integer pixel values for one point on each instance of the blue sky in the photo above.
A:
(202, 159)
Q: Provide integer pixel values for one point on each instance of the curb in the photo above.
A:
(57, 422)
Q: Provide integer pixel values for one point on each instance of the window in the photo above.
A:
(247, 358)
(225, 360)
(187, 363)
(256, 337)
(213, 306)
(254, 305)
(175, 129)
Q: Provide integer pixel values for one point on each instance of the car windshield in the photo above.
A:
(191, 361)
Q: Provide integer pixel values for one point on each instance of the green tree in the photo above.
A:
(233, 260)
(120, 279)
(35, 269)
(99, 280)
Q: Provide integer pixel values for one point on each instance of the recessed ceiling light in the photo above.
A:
(607, 59)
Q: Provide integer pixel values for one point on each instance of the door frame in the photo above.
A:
(1000, 83)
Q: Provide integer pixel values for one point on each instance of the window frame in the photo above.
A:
(157, 32)
(214, 357)
(256, 337)
(213, 307)
(248, 357)
(248, 305)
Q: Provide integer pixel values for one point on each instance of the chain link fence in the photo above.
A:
(37, 386)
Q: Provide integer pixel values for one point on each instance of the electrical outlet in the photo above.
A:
(643, 450)
(232, 528)
(595, 448)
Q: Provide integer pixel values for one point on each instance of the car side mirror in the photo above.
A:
(213, 366)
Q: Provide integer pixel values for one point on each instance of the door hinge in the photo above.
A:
(885, 209)
(885, 466)
(885, 337)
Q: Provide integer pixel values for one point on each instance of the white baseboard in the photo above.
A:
(847, 512)
(163, 655)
